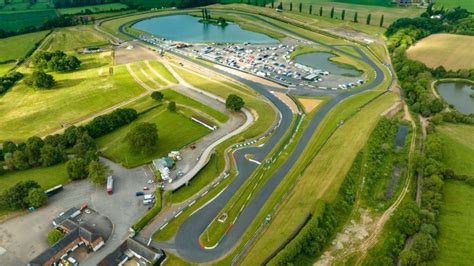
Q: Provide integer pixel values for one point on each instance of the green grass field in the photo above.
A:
(47, 177)
(467, 4)
(26, 111)
(13, 48)
(93, 9)
(459, 147)
(456, 237)
(163, 71)
(324, 174)
(175, 130)
(14, 21)
(71, 38)
(5, 68)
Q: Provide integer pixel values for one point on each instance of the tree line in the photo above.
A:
(8, 80)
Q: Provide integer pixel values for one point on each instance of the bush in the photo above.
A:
(77, 168)
(143, 138)
(54, 236)
(55, 61)
(36, 197)
(98, 173)
(138, 226)
(157, 95)
(7, 81)
(39, 79)
(16, 197)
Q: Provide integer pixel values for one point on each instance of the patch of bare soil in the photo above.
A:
(132, 53)
(309, 104)
(350, 237)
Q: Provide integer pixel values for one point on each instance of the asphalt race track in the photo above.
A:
(186, 240)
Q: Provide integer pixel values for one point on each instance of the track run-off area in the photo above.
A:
(186, 241)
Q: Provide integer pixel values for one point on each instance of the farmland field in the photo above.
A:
(449, 50)
(459, 147)
(93, 9)
(175, 130)
(467, 4)
(71, 38)
(47, 177)
(18, 20)
(5, 68)
(26, 111)
(456, 237)
(13, 48)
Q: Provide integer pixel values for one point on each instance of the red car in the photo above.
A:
(145, 188)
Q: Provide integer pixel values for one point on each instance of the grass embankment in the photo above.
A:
(6, 67)
(175, 130)
(163, 71)
(47, 177)
(452, 51)
(13, 48)
(93, 8)
(26, 111)
(71, 38)
(456, 237)
(112, 25)
(323, 175)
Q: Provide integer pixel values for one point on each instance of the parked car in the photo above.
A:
(139, 193)
(146, 188)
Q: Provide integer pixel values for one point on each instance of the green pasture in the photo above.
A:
(26, 111)
(6, 67)
(456, 229)
(71, 38)
(458, 147)
(92, 9)
(13, 48)
(467, 4)
(175, 130)
(14, 21)
(163, 71)
(47, 177)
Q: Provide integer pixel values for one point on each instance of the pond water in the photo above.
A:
(457, 94)
(187, 28)
(320, 60)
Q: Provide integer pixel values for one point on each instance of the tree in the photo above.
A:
(291, 6)
(16, 197)
(143, 138)
(320, 11)
(98, 172)
(425, 246)
(409, 258)
(369, 17)
(280, 6)
(234, 102)
(33, 150)
(20, 160)
(273, 3)
(355, 17)
(51, 155)
(157, 95)
(36, 197)
(172, 106)
(311, 9)
(332, 13)
(343, 14)
(300, 7)
(39, 79)
(381, 21)
(54, 236)
(9, 147)
(77, 168)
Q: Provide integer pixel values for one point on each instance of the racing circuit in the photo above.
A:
(186, 242)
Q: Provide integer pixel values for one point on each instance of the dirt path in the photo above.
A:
(373, 238)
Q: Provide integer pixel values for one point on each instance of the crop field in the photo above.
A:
(93, 9)
(459, 147)
(467, 4)
(452, 51)
(322, 177)
(18, 20)
(13, 48)
(47, 177)
(71, 38)
(26, 111)
(456, 237)
(175, 130)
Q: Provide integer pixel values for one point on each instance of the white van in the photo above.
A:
(147, 201)
(73, 261)
(148, 196)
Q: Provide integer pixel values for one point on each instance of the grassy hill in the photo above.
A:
(467, 4)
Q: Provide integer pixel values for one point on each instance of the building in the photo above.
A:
(71, 213)
(131, 249)
(310, 77)
(163, 165)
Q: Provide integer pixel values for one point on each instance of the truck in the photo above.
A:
(110, 185)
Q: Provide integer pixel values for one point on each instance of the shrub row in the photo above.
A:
(144, 220)
(7, 81)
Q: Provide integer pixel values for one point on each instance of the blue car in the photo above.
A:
(139, 193)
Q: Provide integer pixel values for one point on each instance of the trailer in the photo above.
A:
(110, 185)
(53, 191)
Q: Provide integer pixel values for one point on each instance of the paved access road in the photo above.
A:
(186, 239)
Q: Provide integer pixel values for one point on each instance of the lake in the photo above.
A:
(320, 60)
(188, 29)
(457, 94)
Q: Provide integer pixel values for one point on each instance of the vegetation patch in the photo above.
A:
(92, 9)
(19, 20)
(16, 47)
(46, 177)
(72, 38)
(459, 147)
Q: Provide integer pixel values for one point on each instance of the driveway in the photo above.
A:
(24, 237)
